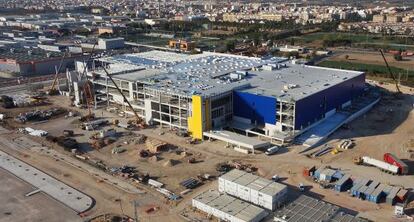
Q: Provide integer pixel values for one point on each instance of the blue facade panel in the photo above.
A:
(312, 108)
(259, 109)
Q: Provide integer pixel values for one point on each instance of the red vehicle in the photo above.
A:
(392, 159)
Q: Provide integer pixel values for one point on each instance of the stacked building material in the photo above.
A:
(155, 146)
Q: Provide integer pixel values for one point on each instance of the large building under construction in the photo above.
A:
(274, 98)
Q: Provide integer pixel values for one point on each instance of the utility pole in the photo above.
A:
(135, 203)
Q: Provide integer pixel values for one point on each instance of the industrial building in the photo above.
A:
(252, 188)
(207, 93)
(34, 61)
(309, 209)
(227, 208)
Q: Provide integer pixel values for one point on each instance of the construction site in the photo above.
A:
(161, 136)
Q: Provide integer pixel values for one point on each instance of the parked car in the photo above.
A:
(272, 150)
(301, 187)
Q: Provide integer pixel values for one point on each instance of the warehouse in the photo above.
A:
(252, 188)
(227, 208)
(34, 61)
(274, 98)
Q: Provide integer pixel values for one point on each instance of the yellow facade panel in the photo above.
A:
(195, 122)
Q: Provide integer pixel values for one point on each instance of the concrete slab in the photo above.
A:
(63, 193)
(236, 139)
(16, 207)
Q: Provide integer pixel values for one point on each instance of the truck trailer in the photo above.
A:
(380, 164)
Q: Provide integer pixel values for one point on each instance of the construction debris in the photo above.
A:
(144, 153)
(33, 132)
(39, 115)
(92, 125)
(6, 102)
(154, 158)
(190, 183)
(155, 146)
(117, 150)
(107, 133)
(140, 139)
(68, 133)
(322, 151)
(151, 209)
(170, 163)
(155, 183)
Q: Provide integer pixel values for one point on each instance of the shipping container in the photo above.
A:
(318, 172)
(309, 171)
(360, 192)
(337, 175)
(387, 189)
(356, 181)
(326, 175)
(344, 183)
(402, 195)
(392, 159)
(355, 188)
(373, 184)
(377, 194)
(391, 197)
(367, 193)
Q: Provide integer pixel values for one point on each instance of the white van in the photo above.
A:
(272, 150)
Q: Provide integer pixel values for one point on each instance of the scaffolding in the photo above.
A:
(285, 114)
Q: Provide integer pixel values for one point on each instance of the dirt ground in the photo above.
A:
(389, 127)
(375, 59)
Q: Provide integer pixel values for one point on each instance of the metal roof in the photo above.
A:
(240, 209)
(295, 82)
(28, 55)
(309, 209)
(233, 175)
(208, 74)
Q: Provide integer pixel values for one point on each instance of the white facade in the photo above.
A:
(227, 208)
(257, 190)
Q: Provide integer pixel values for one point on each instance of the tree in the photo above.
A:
(230, 45)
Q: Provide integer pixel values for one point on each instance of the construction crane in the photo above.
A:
(52, 90)
(139, 120)
(87, 89)
(391, 73)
